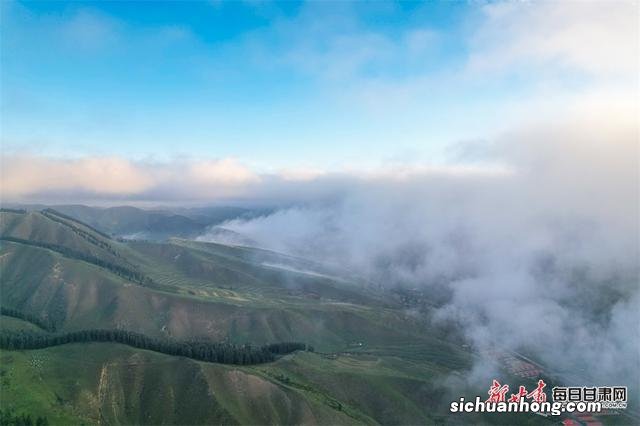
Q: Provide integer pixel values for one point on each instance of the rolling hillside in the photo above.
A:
(373, 363)
(155, 224)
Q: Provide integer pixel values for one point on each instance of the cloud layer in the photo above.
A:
(34, 178)
(593, 38)
(542, 259)
(40, 178)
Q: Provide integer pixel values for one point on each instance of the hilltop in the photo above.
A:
(373, 363)
(151, 224)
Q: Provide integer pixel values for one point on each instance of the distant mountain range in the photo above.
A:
(154, 224)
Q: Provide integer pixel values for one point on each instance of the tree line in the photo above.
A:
(44, 323)
(73, 219)
(63, 220)
(10, 418)
(283, 348)
(7, 210)
(129, 274)
(223, 353)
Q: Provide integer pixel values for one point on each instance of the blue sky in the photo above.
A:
(323, 86)
(275, 83)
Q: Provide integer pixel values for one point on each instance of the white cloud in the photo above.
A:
(40, 178)
(595, 37)
(542, 259)
(331, 43)
(23, 175)
(221, 172)
(26, 176)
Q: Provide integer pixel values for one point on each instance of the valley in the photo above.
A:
(192, 291)
(363, 357)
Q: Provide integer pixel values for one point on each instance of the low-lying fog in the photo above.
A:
(539, 254)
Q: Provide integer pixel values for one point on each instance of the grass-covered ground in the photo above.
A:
(373, 363)
(114, 384)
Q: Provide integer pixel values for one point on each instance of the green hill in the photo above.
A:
(156, 224)
(373, 362)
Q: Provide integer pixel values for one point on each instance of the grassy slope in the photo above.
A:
(102, 383)
(84, 295)
(155, 224)
(38, 228)
(265, 305)
(114, 384)
(215, 292)
(10, 323)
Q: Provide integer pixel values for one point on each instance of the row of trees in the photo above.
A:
(44, 323)
(129, 274)
(73, 219)
(6, 210)
(10, 418)
(287, 347)
(224, 353)
(64, 220)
